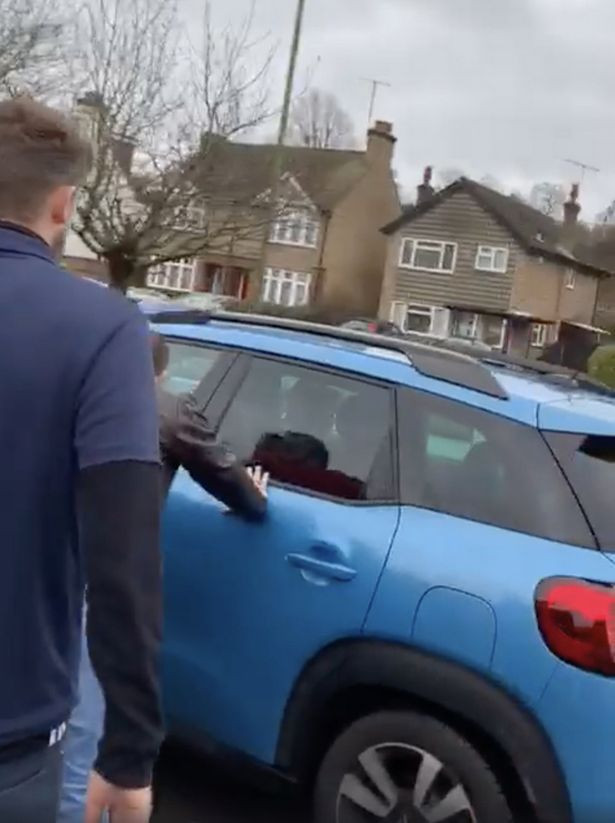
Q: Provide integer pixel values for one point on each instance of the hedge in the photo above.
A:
(601, 365)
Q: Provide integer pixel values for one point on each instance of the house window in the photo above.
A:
(570, 278)
(179, 275)
(465, 324)
(298, 228)
(419, 319)
(492, 330)
(428, 255)
(539, 335)
(189, 218)
(491, 258)
(286, 288)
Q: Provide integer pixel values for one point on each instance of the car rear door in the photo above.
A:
(248, 605)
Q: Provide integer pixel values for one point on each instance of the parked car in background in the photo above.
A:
(423, 628)
(373, 327)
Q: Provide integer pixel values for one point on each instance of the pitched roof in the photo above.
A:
(534, 231)
(245, 170)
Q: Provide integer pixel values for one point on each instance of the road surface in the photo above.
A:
(190, 790)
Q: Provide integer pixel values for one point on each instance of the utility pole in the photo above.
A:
(584, 168)
(278, 155)
(290, 75)
(376, 85)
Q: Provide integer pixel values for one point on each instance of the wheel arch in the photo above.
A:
(349, 679)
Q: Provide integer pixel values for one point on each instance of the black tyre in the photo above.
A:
(403, 767)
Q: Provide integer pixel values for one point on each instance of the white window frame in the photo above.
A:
(274, 281)
(473, 325)
(503, 329)
(539, 335)
(191, 218)
(164, 276)
(491, 252)
(307, 223)
(433, 244)
(419, 310)
(570, 278)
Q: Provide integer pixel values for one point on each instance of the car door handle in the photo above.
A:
(322, 568)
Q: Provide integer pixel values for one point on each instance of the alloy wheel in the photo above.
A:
(398, 783)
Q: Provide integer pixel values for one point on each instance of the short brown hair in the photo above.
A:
(40, 149)
(160, 353)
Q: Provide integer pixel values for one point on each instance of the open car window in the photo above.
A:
(314, 430)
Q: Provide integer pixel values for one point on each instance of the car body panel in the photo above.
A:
(576, 710)
(502, 568)
(444, 615)
(242, 618)
(580, 414)
(243, 621)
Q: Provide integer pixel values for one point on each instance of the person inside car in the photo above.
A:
(186, 440)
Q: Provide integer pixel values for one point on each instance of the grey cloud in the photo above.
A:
(502, 87)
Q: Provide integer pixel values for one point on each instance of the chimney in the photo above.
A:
(123, 150)
(572, 207)
(425, 191)
(380, 144)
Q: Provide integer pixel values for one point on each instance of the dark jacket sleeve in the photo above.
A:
(187, 439)
(119, 513)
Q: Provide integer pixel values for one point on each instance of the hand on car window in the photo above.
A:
(259, 478)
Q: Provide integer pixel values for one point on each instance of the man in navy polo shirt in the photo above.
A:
(79, 493)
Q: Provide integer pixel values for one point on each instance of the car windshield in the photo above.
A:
(588, 461)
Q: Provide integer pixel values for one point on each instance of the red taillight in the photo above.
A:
(372, 328)
(577, 622)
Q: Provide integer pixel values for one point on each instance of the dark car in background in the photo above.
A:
(373, 327)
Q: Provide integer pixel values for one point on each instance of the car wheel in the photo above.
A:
(402, 767)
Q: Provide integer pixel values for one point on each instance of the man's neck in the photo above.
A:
(19, 227)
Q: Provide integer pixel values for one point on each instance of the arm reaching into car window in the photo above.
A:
(188, 440)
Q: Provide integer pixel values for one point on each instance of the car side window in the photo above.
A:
(188, 365)
(469, 463)
(315, 430)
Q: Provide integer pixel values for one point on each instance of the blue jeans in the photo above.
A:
(81, 742)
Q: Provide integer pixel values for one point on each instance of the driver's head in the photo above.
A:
(42, 161)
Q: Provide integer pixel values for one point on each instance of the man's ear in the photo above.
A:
(62, 204)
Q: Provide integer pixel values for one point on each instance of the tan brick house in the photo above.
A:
(474, 263)
(324, 248)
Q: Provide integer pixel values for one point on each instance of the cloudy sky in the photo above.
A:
(506, 88)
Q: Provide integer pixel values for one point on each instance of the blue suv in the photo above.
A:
(423, 628)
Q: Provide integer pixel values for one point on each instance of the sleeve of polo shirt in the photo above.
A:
(118, 505)
(117, 416)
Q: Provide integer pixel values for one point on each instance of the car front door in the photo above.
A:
(249, 604)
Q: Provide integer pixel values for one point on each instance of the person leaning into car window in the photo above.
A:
(186, 440)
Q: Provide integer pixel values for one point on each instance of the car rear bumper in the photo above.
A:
(577, 711)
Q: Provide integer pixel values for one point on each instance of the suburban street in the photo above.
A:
(191, 790)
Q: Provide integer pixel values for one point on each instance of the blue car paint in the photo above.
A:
(447, 618)
(239, 613)
(500, 567)
(579, 415)
(242, 621)
(576, 711)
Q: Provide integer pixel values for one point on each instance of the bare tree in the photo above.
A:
(163, 185)
(30, 46)
(548, 198)
(318, 121)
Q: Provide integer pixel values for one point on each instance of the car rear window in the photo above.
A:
(588, 461)
(471, 464)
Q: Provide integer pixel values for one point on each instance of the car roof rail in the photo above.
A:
(451, 366)
(552, 372)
